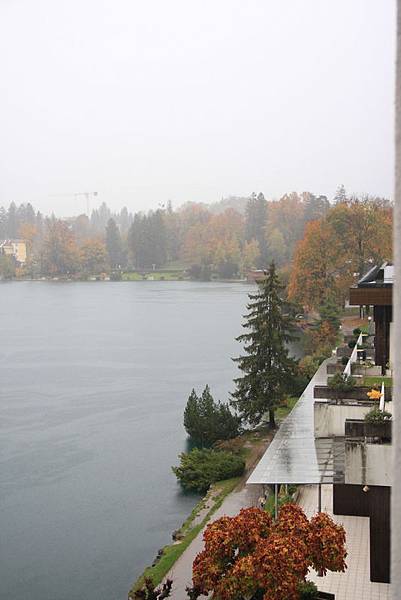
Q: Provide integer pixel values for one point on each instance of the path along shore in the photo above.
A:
(242, 497)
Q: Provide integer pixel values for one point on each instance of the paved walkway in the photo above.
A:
(354, 584)
(181, 573)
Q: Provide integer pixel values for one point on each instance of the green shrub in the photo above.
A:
(308, 590)
(200, 468)
(341, 382)
(344, 360)
(377, 416)
(207, 421)
(356, 332)
(352, 344)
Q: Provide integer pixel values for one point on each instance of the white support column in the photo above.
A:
(396, 489)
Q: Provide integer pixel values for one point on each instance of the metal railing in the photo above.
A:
(382, 403)
(353, 357)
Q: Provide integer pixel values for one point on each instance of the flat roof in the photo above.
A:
(294, 455)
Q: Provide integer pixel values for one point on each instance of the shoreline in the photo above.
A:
(255, 444)
(142, 280)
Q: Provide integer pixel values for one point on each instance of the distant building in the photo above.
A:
(256, 275)
(14, 248)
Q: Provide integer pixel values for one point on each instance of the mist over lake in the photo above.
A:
(94, 378)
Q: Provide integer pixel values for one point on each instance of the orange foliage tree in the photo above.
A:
(215, 241)
(320, 270)
(60, 255)
(249, 555)
(354, 235)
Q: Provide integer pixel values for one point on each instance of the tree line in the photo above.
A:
(222, 240)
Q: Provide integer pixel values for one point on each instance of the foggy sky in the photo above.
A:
(149, 100)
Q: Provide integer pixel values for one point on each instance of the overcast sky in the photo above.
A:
(149, 100)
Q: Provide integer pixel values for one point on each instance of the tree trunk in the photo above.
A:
(272, 420)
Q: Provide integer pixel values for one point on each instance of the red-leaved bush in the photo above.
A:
(249, 555)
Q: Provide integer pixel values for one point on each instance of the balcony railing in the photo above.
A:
(353, 358)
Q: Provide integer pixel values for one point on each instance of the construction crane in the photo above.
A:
(77, 195)
(87, 196)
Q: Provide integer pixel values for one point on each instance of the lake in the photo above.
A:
(94, 378)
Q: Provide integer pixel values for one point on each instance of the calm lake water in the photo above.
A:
(94, 378)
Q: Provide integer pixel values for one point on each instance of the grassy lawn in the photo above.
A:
(154, 276)
(132, 277)
(371, 381)
(172, 552)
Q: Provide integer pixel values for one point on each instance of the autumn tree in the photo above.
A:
(250, 255)
(363, 231)
(250, 556)
(354, 235)
(93, 256)
(216, 243)
(319, 269)
(266, 366)
(59, 252)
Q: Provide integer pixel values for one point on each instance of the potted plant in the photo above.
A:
(378, 424)
(341, 384)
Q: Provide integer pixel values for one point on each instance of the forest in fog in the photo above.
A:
(317, 244)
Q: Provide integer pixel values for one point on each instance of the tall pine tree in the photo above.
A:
(114, 245)
(266, 366)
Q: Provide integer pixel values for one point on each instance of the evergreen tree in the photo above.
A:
(207, 421)
(341, 195)
(3, 223)
(255, 224)
(12, 221)
(267, 368)
(330, 312)
(30, 214)
(114, 244)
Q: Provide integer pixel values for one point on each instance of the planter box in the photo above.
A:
(355, 428)
(357, 393)
(358, 369)
(333, 368)
(326, 596)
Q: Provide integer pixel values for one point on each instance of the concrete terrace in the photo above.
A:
(354, 584)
